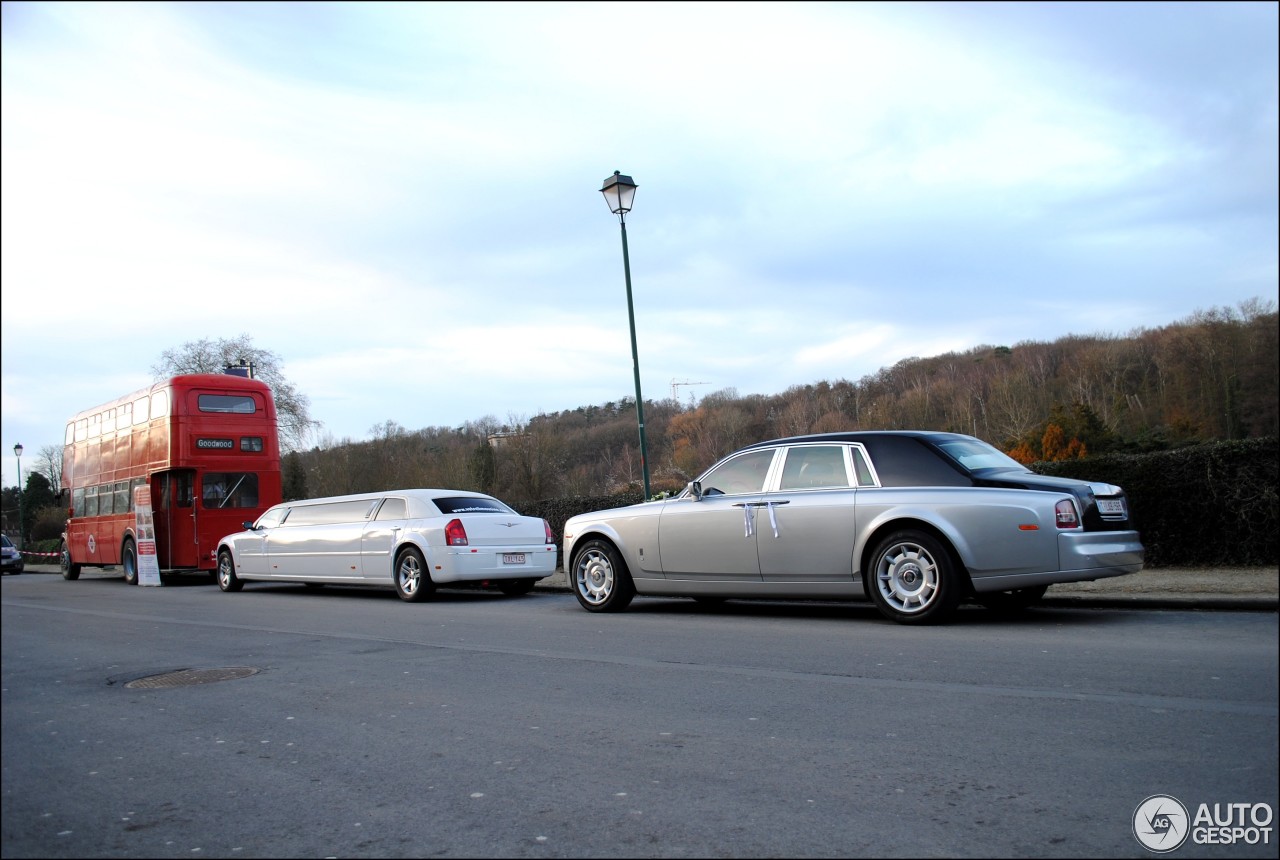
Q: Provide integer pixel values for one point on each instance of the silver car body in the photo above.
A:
(785, 533)
(357, 540)
(13, 562)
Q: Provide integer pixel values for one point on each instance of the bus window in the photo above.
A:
(124, 500)
(141, 414)
(184, 489)
(90, 502)
(230, 490)
(240, 403)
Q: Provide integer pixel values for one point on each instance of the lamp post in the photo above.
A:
(17, 452)
(619, 191)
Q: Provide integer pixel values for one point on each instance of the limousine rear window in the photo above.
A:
(471, 505)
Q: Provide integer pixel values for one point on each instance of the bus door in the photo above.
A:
(173, 502)
(225, 501)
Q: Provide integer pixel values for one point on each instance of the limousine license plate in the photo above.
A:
(513, 558)
(1110, 506)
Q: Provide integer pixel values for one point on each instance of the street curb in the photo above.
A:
(557, 583)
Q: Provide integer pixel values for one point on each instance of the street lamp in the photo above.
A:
(618, 193)
(17, 452)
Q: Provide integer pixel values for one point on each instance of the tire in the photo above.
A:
(516, 587)
(413, 582)
(226, 572)
(129, 562)
(600, 578)
(70, 570)
(1012, 601)
(913, 579)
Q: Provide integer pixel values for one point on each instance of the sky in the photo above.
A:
(401, 200)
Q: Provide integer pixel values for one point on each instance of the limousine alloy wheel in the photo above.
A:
(226, 573)
(413, 583)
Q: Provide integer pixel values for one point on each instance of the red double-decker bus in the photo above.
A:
(206, 446)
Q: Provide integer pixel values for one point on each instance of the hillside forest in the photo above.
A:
(1211, 377)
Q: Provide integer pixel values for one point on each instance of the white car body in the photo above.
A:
(411, 540)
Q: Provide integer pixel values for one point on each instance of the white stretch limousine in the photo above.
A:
(412, 540)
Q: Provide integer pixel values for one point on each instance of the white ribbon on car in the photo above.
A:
(748, 518)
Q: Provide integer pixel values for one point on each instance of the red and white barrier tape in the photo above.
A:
(39, 554)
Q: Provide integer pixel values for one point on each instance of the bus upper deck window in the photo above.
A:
(241, 404)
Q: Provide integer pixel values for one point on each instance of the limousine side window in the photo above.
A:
(272, 518)
(469, 505)
(330, 513)
(392, 509)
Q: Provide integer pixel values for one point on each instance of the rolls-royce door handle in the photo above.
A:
(748, 521)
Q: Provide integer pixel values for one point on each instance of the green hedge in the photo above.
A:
(1206, 505)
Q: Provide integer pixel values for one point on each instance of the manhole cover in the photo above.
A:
(191, 677)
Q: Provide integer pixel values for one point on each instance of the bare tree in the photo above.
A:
(293, 409)
(50, 465)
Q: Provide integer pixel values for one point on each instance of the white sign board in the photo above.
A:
(144, 519)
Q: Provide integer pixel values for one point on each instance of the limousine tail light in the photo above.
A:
(551, 538)
(455, 534)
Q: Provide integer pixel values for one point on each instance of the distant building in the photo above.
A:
(497, 440)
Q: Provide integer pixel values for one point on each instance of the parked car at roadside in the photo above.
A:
(12, 556)
(915, 520)
(410, 540)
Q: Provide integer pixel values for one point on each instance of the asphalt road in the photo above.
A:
(1214, 588)
(343, 722)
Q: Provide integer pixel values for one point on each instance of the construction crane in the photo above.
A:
(675, 395)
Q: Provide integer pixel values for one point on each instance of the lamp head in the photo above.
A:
(619, 191)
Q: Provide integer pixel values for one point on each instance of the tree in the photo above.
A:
(36, 497)
(481, 467)
(293, 409)
(50, 465)
(293, 477)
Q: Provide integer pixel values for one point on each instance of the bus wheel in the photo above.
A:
(70, 570)
(129, 561)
